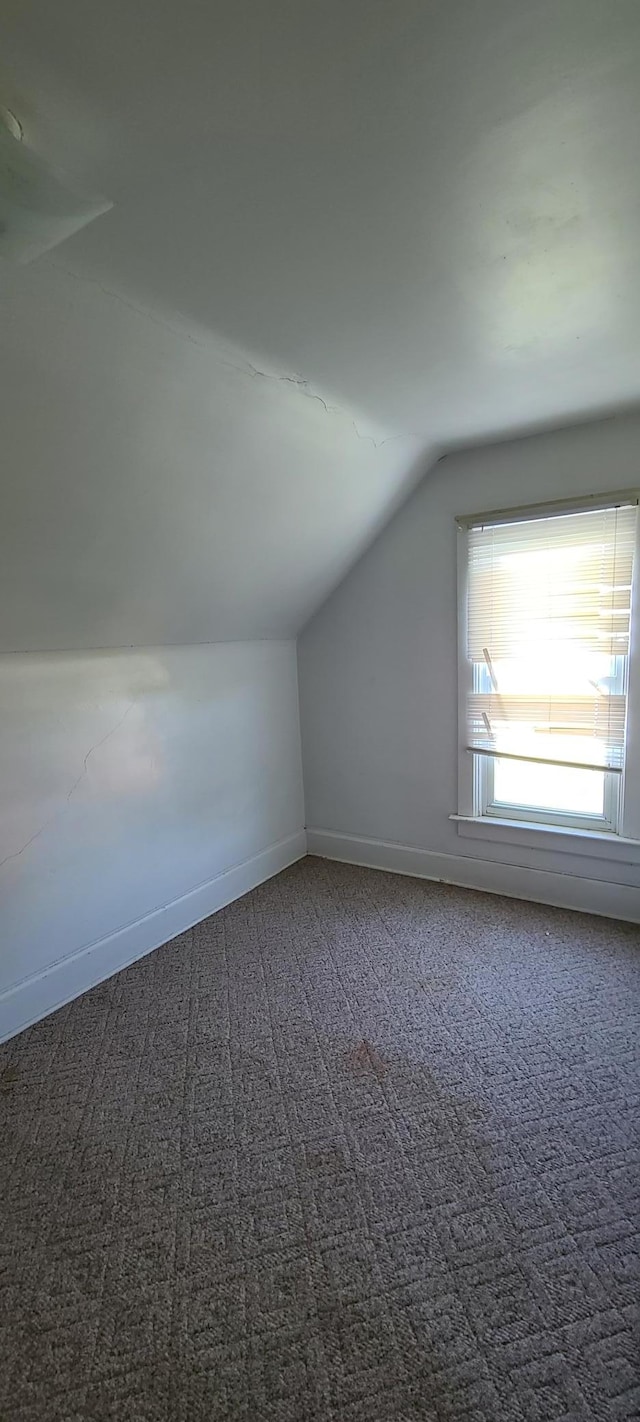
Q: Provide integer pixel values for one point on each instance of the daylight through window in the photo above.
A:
(548, 621)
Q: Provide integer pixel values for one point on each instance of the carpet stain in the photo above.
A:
(331, 1160)
(8, 1079)
(366, 1057)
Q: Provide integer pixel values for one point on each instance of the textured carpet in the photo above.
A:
(358, 1148)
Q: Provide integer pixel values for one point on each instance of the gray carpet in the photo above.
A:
(358, 1148)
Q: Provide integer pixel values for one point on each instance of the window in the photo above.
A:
(545, 652)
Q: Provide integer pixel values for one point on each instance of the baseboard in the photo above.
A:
(588, 895)
(36, 997)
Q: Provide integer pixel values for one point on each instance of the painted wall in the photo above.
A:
(128, 780)
(158, 487)
(378, 663)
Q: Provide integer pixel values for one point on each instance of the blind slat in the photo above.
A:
(548, 619)
(494, 720)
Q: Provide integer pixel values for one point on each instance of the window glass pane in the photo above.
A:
(547, 635)
(548, 611)
(549, 787)
(548, 679)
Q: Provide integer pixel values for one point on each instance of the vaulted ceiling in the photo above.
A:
(343, 235)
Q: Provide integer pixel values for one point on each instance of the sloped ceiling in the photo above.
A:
(343, 235)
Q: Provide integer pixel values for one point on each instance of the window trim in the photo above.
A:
(623, 828)
(589, 844)
(552, 508)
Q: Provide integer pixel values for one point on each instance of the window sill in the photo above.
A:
(594, 844)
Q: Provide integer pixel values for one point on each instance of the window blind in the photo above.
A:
(548, 625)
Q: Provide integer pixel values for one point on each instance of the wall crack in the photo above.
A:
(16, 853)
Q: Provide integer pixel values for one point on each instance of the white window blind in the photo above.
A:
(548, 624)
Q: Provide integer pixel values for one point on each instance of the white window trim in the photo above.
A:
(590, 844)
(605, 843)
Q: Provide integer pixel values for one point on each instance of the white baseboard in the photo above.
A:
(41, 994)
(588, 895)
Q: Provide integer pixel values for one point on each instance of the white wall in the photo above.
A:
(158, 487)
(129, 781)
(378, 672)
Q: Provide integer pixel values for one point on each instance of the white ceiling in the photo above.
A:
(427, 209)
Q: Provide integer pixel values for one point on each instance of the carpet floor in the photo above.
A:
(359, 1148)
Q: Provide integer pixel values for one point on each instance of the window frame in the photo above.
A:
(476, 800)
(488, 807)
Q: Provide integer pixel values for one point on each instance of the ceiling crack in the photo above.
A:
(244, 367)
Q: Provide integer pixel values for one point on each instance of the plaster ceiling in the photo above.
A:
(424, 215)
